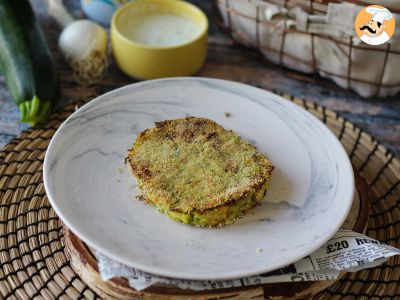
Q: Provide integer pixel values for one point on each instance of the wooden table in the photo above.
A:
(379, 117)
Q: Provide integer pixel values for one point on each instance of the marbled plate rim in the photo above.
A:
(189, 275)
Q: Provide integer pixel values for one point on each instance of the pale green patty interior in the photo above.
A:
(221, 215)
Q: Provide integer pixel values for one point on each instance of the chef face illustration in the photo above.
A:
(373, 28)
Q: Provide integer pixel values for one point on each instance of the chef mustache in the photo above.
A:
(368, 28)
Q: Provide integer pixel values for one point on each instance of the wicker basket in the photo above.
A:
(302, 35)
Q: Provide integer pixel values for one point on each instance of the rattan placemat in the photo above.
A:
(33, 263)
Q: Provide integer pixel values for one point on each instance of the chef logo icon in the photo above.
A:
(374, 25)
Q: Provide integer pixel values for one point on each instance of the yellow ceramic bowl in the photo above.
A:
(145, 61)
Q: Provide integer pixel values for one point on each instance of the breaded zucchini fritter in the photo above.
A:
(197, 172)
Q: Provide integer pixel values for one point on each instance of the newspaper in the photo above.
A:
(346, 251)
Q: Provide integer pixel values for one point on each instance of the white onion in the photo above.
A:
(83, 44)
(82, 37)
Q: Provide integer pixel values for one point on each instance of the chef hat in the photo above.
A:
(379, 14)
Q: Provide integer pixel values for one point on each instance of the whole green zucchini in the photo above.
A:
(26, 61)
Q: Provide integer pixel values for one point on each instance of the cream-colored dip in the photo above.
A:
(161, 30)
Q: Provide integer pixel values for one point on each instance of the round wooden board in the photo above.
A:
(84, 262)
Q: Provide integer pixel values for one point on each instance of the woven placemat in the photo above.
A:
(33, 263)
(84, 262)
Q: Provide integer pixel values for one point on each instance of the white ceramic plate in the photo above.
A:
(93, 192)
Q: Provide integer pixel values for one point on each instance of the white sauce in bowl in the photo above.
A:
(161, 30)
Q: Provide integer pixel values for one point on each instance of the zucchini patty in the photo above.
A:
(196, 172)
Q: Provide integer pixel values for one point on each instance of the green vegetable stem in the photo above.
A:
(26, 62)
